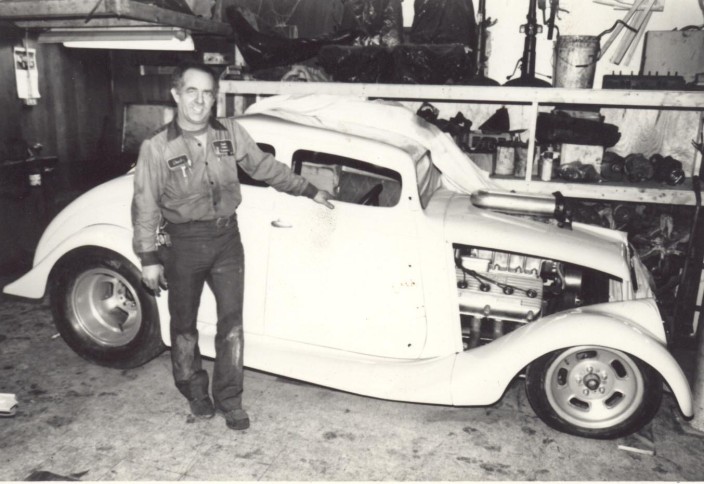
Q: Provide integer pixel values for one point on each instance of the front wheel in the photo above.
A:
(592, 391)
(102, 310)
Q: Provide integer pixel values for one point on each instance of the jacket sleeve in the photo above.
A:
(146, 214)
(264, 167)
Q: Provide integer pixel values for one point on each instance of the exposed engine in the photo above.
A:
(499, 291)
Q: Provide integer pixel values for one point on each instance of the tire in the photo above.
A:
(102, 310)
(593, 391)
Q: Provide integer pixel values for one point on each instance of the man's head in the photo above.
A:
(193, 88)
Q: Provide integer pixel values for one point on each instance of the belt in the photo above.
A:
(220, 223)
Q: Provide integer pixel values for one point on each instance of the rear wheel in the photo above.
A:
(102, 310)
(592, 391)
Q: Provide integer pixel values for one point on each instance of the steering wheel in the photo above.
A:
(372, 196)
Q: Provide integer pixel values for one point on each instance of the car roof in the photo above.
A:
(269, 122)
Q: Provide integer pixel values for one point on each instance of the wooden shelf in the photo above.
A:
(491, 94)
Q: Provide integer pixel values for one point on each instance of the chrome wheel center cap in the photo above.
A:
(592, 381)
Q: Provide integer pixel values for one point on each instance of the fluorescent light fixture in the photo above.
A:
(170, 44)
(134, 38)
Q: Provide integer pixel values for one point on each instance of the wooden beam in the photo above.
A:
(149, 13)
(80, 10)
(26, 9)
(81, 23)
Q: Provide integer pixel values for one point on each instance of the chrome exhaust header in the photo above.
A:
(553, 206)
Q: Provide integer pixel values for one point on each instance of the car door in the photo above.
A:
(348, 278)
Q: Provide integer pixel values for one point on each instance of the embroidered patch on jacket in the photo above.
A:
(179, 162)
(223, 147)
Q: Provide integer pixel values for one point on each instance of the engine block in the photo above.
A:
(499, 285)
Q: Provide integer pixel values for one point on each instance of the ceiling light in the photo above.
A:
(134, 38)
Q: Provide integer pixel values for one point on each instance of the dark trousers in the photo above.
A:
(209, 252)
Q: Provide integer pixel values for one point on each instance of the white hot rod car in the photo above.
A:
(417, 287)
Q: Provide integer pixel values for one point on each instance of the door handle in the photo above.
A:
(280, 225)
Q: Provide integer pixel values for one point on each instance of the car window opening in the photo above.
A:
(350, 180)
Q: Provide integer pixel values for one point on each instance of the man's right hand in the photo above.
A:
(153, 277)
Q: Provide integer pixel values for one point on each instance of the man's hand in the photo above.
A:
(153, 277)
(322, 198)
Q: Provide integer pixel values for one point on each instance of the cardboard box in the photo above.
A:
(674, 52)
(587, 154)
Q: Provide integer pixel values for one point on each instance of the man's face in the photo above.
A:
(195, 99)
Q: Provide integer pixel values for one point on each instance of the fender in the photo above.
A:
(113, 237)
(499, 361)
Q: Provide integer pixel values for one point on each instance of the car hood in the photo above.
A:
(601, 249)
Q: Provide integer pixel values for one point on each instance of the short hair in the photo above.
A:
(177, 75)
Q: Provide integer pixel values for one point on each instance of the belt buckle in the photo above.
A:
(222, 222)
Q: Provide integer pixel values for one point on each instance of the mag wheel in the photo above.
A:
(102, 310)
(592, 391)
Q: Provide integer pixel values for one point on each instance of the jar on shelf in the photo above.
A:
(505, 158)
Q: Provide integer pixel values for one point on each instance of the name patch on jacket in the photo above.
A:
(223, 147)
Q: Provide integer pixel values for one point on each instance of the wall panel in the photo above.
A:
(68, 121)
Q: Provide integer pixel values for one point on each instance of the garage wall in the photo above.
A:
(70, 121)
(139, 78)
(78, 119)
(72, 113)
(79, 115)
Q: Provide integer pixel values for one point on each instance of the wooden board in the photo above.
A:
(40, 11)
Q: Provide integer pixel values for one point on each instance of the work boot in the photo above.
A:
(195, 390)
(202, 407)
(236, 419)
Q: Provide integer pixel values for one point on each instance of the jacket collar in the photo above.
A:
(173, 130)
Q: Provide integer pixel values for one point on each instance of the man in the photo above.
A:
(186, 189)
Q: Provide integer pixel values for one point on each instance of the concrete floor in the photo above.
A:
(82, 421)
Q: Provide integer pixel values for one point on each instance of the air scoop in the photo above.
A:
(554, 205)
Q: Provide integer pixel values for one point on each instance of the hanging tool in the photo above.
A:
(554, 8)
(531, 29)
(480, 54)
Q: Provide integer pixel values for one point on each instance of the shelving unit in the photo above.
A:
(233, 93)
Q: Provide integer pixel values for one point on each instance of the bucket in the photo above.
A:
(575, 61)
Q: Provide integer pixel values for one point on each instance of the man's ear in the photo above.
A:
(174, 94)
